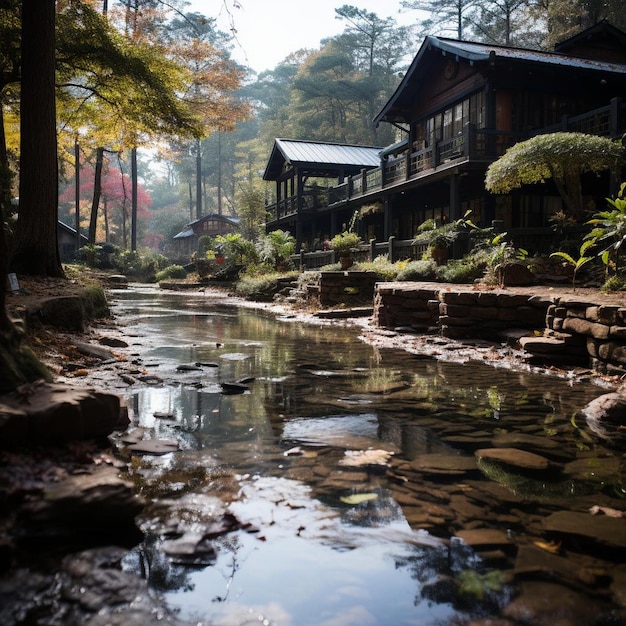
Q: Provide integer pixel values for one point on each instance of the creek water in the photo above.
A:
(267, 512)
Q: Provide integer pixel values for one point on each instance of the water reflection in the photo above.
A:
(316, 541)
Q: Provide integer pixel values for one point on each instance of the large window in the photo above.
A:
(451, 121)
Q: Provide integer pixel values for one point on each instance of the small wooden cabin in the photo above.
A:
(67, 241)
(212, 224)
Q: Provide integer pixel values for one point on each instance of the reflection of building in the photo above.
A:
(212, 225)
(459, 106)
(67, 241)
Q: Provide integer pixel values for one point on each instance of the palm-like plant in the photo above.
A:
(577, 263)
(609, 229)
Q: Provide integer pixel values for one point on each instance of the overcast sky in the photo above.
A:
(269, 30)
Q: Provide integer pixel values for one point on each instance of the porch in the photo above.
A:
(401, 164)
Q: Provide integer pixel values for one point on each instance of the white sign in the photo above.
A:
(13, 284)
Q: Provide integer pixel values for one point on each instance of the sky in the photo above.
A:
(269, 30)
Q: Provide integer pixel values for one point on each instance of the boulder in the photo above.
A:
(513, 274)
(64, 312)
(606, 418)
(52, 414)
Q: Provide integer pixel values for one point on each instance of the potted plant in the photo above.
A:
(343, 244)
(441, 237)
(439, 241)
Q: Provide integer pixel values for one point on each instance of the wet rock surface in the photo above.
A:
(44, 414)
(90, 589)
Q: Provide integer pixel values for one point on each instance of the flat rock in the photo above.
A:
(543, 345)
(603, 530)
(520, 440)
(444, 463)
(514, 458)
(154, 446)
(593, 468)
(542, 603)
(53, 414)
(533, 560)
(482, 537)
(99, 504)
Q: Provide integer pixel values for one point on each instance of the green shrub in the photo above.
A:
(205, 243)
(424, 269)
(617, 282)
(381, 266)
(463, 270)
(173, 271)
(263, 287)
(99, 256)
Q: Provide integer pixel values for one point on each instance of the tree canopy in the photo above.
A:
(562, 157)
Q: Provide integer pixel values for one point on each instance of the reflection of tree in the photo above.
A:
(453, 574)
(148, 562)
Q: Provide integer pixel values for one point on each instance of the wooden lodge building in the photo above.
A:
(458, 108)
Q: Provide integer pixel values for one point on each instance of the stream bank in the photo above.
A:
(430, 500)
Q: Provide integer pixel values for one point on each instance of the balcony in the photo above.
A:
(473, 144)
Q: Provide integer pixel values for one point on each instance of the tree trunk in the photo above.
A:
(133, 209)
(36, 248)
(17, 363)
(97, 190)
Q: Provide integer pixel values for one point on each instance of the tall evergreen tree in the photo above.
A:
(445, 17)
(36, 250)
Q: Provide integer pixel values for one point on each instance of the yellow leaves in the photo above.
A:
(358, 498)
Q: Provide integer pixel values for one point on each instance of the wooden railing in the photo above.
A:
(541, 240)
(394, 249)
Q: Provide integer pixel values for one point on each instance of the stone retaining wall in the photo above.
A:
(346, 288)
(555, 330)
(462, 312)
(599, 330)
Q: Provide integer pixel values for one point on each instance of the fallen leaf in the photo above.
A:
(552, 546)
(608, 511)
(358, 498)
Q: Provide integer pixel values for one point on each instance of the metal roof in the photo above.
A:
(486, 53)
(482, 52)
(330, 155)
(189, 232)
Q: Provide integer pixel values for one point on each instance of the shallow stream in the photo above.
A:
(313, 479)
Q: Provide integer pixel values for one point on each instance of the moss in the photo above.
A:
(18, 365)
(95, 301)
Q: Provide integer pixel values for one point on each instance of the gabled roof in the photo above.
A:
(479, 53)
(188, 231)
(331, 156)
(602, 31)
(69, 230)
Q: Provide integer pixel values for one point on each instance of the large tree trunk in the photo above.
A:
(36, 248)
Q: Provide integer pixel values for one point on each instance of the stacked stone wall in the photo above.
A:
(553, 330)
(600, 329)
(346, 288)
(456, 313)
